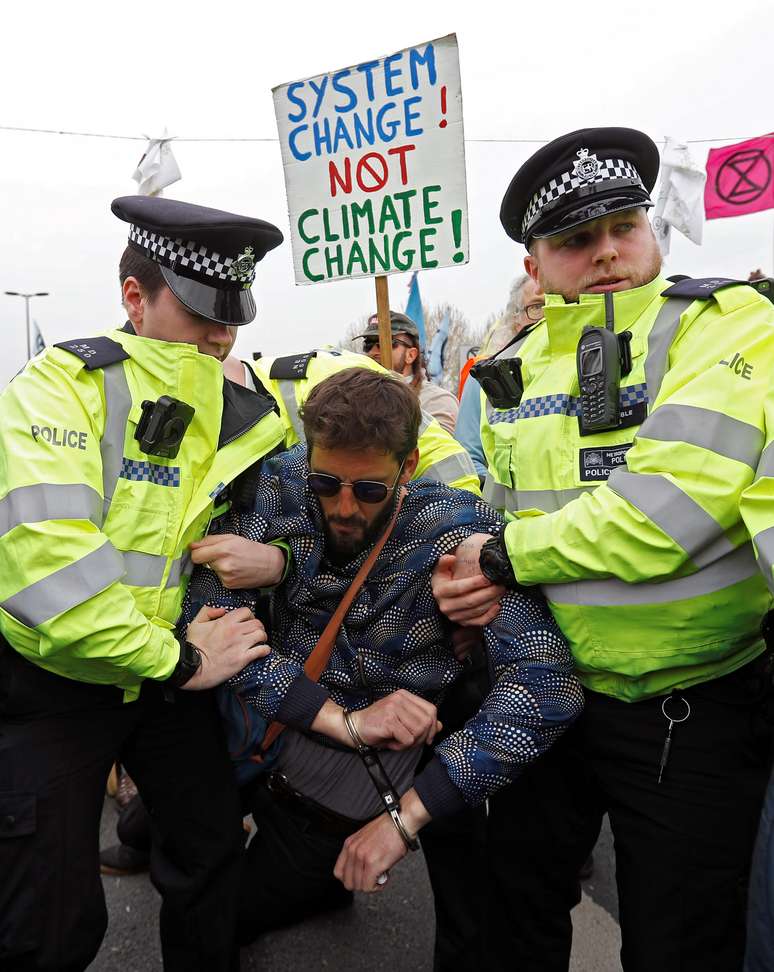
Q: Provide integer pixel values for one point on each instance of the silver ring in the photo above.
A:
(678, 698)
(382, 878)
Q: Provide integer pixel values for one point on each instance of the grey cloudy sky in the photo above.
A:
(529, 71)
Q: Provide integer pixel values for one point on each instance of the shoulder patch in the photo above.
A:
(95, 352)
(292, 367)
(699, 288)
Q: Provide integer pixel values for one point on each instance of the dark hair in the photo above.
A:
(418, 365)
(358, 408)
(146, 272)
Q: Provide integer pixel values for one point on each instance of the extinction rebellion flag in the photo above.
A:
(740, 178)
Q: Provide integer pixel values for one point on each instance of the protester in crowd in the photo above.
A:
(407, 362)
(289, 379)
(391, 660)
(241, 563)
(524, 310)
(627, 514)
(120, 444)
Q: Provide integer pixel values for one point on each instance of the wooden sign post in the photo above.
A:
(383, 313)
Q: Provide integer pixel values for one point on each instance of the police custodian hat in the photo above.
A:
(577, 178)
(207, 257)
(399, 323)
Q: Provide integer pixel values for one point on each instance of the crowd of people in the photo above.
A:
(336, 600)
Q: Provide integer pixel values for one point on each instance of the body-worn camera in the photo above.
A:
(501, 381)
(764, 286)
(162, 426)
(602, 358)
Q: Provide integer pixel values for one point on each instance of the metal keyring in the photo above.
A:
(672, 698)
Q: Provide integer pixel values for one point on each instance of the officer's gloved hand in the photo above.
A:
(227, 642)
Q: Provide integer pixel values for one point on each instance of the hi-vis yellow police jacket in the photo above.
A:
(635, 534)
(94, 534)
(291, 379)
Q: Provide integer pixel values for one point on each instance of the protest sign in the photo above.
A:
(374, 165)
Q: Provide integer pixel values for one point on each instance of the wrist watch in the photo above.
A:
(494, 562)
(187, 666)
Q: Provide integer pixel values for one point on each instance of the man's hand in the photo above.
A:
(378, 846)
(227, 642)
(398, 721)
(240, 562)
(463, 593)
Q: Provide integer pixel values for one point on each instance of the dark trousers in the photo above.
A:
(454, 849)
(288, 869)
(683, 846)
(58, 739)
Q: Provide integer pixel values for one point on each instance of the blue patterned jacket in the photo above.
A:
(395, 637)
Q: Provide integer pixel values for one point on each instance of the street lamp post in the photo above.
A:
(27, 298)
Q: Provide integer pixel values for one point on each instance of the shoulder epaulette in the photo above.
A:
(699, 288)
(95, 352)
(292, 367)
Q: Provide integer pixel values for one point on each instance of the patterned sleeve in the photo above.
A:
(534, 698)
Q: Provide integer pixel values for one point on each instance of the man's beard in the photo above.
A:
(341, 549)
(638, 276)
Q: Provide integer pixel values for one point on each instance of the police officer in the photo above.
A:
(636, 422)
(114, 451)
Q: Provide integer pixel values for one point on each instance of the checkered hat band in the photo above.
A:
(192, 257)
(569, 181)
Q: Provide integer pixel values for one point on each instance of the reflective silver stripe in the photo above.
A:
(118, 403)
(66, 588)
(49, 501)
(764, 544)
(674, 512)
(731, 569)
(425, 423)
(766, 464)
(451, 468)
(143, 569)
(547, 500)
(496, 494)
(182, 567)
(660, 340)
(287, 389)
(707, 429)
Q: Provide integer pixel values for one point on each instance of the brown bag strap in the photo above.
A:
(317, 661)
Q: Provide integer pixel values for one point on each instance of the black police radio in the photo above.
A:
(501, 379)
(162, 426)
(602, 358)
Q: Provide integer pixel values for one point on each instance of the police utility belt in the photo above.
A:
(602, 359)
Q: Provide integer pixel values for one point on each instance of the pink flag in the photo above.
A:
(740, 178)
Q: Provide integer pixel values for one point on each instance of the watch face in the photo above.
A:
(494, 563)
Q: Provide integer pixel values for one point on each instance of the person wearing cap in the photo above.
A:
(407, 362)
(625, 509)
(124, 447)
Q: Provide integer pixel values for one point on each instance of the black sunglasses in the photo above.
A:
(369, 343)
(365, 490)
